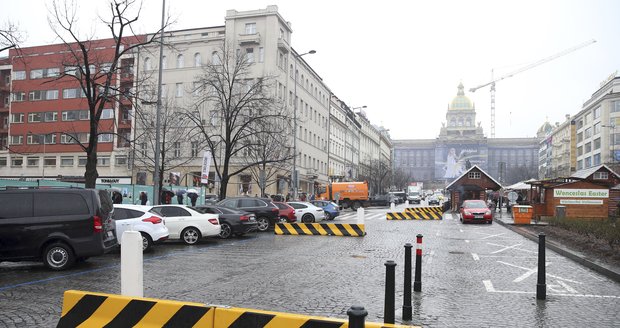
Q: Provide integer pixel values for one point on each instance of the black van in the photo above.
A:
(56, 225)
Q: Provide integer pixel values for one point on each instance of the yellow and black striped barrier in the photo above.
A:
(408, 215)
(425, 209)
(320, 229)
(86, 309)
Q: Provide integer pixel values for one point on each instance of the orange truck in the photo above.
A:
(348, 194)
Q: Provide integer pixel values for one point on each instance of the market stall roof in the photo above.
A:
(523, 185)
(475, 168)
(585, 173)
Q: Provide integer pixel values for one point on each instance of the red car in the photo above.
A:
(287, 212)
(476, 210)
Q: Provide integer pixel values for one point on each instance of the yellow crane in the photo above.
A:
(522, 69)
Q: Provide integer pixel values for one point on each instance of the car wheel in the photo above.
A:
(308, 218)
(147, 242)
(263, 223)
(226, 231)
(190, 235)
(355, 206)
(328, 216)
(58, 256)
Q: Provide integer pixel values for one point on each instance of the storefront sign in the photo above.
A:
(581, 201)
(581, 193)
(113, 180)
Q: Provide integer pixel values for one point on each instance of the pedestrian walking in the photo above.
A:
(192, 197)
(144, 198)
(117, 197)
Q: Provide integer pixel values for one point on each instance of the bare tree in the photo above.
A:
(269, 156)
(401, 178)
(10, 36)
(243, 111)
(98, 72)
(521, 173)
(178, 139)
(377, 173)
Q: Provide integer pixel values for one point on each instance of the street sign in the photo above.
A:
(512, 197)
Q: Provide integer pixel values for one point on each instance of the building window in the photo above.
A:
(34, 117)
(249, 54)
(180, 61)
(601, 175)
(49, 161)
(19, 75)
(197, 59)
(16, 140)
(195, 145)
(596, 112)
(179, 90)
(66, 161)
(3, 161)
(597, 128)
(215, 58)
(250, 28)
(588, 148)
(105, 137)
(164, 63)
(103, 161)
(587, 162)
(107, 113)
(177, 149)
(147, 64)
(17, 162)
(261, 54)
(615, 106)
(120, 160)
(588, 133)
(17, 118)
(597, 143)
(19, 96)
(596, 159)
(82, 161)
(474, 175)
(579, 150)
(32, 161)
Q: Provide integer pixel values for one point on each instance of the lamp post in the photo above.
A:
(294, 177)
(156, 179)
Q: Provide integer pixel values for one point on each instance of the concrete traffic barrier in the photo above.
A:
(407, 215)
(132, 269)
(425, 209)
(87, 309)
(320, 229)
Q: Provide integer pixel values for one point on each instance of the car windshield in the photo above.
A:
(474, 204)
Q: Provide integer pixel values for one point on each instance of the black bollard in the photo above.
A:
(407, 297)
(390, 292)
(417, 283)
(357, 316)
(541, 286)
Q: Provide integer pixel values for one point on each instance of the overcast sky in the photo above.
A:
(404, 59)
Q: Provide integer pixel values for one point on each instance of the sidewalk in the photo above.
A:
(504, 218)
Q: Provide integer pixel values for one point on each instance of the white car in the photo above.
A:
(138, 218)
(187, 224)
(307, 212)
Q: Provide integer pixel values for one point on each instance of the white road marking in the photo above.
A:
(429, 259)
(461, 230)
(475, 256)
(467, 240)
(489, 287)
(534, 270)
(567, 287)
(495, 235)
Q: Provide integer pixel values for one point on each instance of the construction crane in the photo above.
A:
(522, 69)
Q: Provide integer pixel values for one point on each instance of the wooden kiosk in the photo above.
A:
(473, 184)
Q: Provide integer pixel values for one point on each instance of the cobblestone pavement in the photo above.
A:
(472, 275)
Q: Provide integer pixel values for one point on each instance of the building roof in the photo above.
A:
(461, 101)
(466, 172)
(585, 173)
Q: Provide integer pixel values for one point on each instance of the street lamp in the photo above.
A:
(294, 177)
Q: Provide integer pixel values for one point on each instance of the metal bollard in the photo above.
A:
(357, 316)
(392, 206)
(417, 283)
(407, 315)
(390, 292)
(360, 215)
(132, 274)
(541, 286)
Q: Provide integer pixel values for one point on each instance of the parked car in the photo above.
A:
(264, 209)
(401, 196)
(58, 226)
(232, 221)
(475, 210)
(382, 200)
(287, 212)
(211, 199)
(433, 200)
(331, 209)
(138, 218)
(187, 224)
(307, 213)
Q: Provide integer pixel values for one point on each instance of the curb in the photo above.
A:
(562, 250)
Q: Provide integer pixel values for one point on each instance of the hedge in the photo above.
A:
(607, 230)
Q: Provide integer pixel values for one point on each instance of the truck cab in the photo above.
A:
(414, 197)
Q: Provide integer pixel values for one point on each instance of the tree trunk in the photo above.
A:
(91, 174)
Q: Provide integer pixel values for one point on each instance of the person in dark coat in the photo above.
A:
(192, 197)
(144, 198)
(117, 197)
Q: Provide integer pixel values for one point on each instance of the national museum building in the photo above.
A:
(461, 144)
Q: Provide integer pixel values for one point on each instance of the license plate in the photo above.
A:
(110, 234)
(478, 216)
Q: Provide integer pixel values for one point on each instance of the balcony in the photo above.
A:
(246, 39)
(283, 45)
